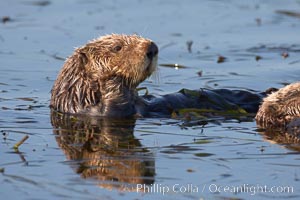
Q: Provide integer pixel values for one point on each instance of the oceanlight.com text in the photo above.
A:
(213, 188)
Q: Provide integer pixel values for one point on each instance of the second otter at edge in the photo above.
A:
(280, 108)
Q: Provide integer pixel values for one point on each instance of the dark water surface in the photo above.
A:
(148, 158)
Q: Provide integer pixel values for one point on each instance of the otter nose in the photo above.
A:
(152, 50)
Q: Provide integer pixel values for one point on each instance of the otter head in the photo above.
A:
(100, 78)
(129, 57)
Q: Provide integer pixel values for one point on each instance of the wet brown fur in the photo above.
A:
(100, 78)
(280, 107)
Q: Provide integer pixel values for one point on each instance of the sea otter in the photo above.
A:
(101, 77)
(280, 108)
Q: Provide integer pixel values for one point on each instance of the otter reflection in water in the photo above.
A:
(105, 150)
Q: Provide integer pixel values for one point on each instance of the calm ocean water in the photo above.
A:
(148, 158)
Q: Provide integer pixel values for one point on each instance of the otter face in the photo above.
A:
(128, 56)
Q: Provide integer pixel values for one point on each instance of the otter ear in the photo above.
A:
(83, 58)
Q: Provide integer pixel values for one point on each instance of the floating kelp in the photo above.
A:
(18, 144)
(38, 3)
(257, 58)
(203, 141)
(175, 65)
(143, 88)
(200, 112)
(188, 114)
(26, 98)
(203, 154)
(200, 104)
(289, 13)
(263, 48)
(199, 73)
(189, 45)
(221, 59)
(55, 56)
(285, 54)
(201, 117)
(6, 19)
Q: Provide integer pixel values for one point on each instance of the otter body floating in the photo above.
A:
(101, 77)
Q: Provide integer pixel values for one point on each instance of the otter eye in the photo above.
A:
(117, 48)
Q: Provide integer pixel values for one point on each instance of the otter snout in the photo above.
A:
(152, 50)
